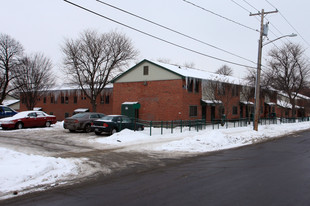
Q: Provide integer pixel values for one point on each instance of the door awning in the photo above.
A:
(80, 110)
(210, 102)
(135, 105)
(246, 102)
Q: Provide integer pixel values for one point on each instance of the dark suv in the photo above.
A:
(6, 111)
(81, 121)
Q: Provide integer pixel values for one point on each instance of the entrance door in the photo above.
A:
(204, 112)
(212, 113)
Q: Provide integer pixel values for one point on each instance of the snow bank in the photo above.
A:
(19, 171)
(199, 142)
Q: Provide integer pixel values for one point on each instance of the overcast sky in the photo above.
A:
(43, 25)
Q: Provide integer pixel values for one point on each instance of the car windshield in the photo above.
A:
(21, 115)
(107, 118)
(79, 115)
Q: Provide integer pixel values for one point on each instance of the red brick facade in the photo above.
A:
(159, 100)
(63, 103)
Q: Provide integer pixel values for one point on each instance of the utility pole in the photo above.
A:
(259, 60)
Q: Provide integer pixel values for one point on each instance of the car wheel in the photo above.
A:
(87, 128)
(98, 133)
(113, 131)
(19, 125)
(47, 124)
(71, 130)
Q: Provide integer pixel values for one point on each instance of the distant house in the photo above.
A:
(65, 100)
(12, 102)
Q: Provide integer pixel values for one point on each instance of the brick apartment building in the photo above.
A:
(167, 92)
(63, 101)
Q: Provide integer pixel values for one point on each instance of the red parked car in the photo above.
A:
(28, 119)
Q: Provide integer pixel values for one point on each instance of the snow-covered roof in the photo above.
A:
(81, 110)
(10, 102)
(130, 103)
(211, 101)
(270, 103)
(66, 87)
(201, 74)
(299, 96)
(247, 102)
(303, 96)
(287, 105)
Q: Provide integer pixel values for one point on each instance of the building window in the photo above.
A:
(44, 100)
(221, 89)
(196, 86)
(101, 99)
(235, 110)
(52, 100)
(66, 100)
(107, 99)
(75, 99)
(221, 110)
(62, 100)
(193, 111)
(235, 91)
(190, 85)
(146, 70)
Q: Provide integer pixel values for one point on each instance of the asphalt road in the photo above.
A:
(271, 173)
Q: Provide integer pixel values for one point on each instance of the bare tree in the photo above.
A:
(164, 60)
(264, 80)
(10, 51)
(288, 71)
(189, 64)
(34, 78)
(225, 70)
(220, 93)
(93, 59)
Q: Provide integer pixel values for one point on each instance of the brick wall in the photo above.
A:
(160, 100)
(60, 110)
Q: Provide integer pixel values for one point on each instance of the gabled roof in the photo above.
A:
(189, 73)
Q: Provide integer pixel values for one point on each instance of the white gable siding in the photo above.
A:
(155, 73)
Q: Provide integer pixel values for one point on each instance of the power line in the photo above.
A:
(255, 17)
(155, 37)
(223, 17)
(250, 5)
(172, 30)
(289, 23)
(241, 6)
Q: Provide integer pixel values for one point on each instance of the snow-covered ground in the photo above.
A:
(20, 171)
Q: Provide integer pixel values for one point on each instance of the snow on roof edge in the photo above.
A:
(201, 74)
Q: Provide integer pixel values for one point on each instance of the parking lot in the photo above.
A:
(58, 142)
(92, 155)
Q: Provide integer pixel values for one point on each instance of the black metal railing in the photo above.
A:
(174, 126)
